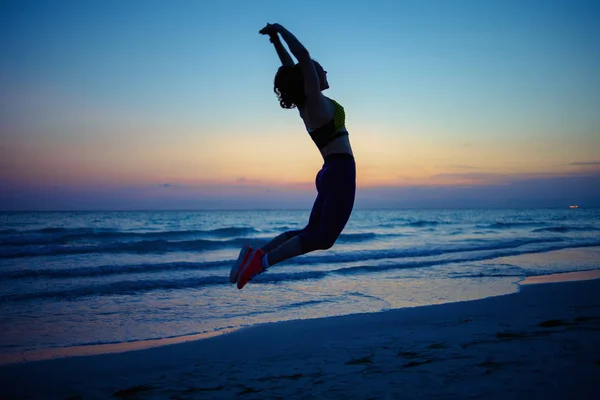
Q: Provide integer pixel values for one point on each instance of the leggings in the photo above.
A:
(336, 189)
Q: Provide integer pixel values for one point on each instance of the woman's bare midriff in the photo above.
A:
(339, 145)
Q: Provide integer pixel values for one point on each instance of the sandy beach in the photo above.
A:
(542, 342)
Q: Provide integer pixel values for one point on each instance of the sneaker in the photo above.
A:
(242, 258)
(251, 268)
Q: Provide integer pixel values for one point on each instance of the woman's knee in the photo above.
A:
(328, 239)
(318, 240)
(326, 243)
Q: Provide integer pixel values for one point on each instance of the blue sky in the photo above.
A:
(170, 104)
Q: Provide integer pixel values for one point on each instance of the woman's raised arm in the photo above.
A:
(312, 84)
(285, 58)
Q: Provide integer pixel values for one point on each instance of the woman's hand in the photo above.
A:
(297, 49)
(273, 30)
(270, 29)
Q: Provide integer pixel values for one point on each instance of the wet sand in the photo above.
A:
(542, 342)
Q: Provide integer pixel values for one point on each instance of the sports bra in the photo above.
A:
(332, 130)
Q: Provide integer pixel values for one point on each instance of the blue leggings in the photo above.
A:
(336, 189)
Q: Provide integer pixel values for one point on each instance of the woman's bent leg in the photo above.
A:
(329, 216)
(279, 240)
(291, 247)
(339, 190)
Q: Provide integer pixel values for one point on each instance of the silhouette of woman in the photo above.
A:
(300, 86)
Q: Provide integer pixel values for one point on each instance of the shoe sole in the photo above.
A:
(235, 269)
(246, 264)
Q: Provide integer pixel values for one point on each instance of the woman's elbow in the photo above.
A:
(303, 56)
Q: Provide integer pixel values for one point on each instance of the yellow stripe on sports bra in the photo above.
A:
(335, 128)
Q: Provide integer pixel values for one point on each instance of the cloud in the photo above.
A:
(457, 166)
(478, 176)
(245, 180)
(167, 185)
(585, 163)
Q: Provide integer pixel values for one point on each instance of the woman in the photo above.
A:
(300, 86)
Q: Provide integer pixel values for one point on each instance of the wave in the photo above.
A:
(429, 263)
(397, 222)
(525, 274)
(231, 231)
(565, 229)
(65, 235)
(284, 228)
(49, 230)
(159, 246)
(154, 246)
(423, 223)
(421, 252)
(487, 275)
(509, 225)
(105, 270)
(83, 234)
(308, 303)
(399, 219)
(355, 256)
(496, 271)
(136, 287)
(357, 237)
(145, 247)
(115, 288)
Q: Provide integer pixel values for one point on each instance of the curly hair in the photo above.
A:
(289, 86)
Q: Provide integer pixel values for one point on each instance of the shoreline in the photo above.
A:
(140, 345)
(540, 342)
(561, 277)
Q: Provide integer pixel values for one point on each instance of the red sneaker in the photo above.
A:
(242, 258)
(251, 268)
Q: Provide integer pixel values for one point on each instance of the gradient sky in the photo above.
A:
(156, 104)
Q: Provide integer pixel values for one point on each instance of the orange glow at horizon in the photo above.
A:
(268, 158)
(106, 147)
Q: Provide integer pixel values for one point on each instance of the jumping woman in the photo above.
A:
(300, 86)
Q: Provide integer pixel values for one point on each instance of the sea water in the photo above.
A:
(91, 278)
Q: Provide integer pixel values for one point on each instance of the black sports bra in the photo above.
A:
(332, 130)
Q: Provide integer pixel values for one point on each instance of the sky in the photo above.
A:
(170, 105)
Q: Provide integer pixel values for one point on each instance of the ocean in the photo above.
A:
(76, 279)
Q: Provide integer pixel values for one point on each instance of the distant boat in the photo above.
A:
(575, 206)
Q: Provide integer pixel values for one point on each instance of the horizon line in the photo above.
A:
(299, 209)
